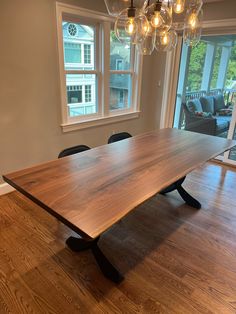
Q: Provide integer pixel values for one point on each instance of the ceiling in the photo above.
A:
(208, 1)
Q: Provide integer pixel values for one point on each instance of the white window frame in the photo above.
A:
(102, 70)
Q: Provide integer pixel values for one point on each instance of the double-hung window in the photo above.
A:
(100, 77)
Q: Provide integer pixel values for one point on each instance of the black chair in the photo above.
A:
(73, 150)
(118, 137)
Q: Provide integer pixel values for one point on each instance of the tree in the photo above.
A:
(197, 59)
(231, 73)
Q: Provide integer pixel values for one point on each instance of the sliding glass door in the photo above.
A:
(206, 92)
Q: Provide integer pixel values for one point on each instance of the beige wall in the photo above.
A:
(225, 9)
(29, 84)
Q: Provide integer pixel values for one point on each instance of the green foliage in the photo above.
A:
(113, 36)
(196, 66)
(216, 67)
(197, 59)
(231, 73)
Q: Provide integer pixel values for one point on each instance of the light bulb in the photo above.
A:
(179, 6)
(165, 38)
(130, 26)
(166, 41)
(193, 20)
(156, 20)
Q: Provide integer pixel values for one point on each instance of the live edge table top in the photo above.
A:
(92, 190)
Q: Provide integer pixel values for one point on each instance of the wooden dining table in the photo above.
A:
(91, 191)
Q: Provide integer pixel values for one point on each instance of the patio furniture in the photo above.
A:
(207, 115)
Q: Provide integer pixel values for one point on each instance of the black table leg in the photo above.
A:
(191, 201)
(108, 270)
(183, 193)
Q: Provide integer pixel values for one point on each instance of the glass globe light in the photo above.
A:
(193, 26)
(192, 37)
(114, 7)
(148, 45)
(160, 16)
(178, 6)
(166, 40)
(131, 29)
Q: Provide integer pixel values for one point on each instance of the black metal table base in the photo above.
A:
(183, 193)
(108, 270)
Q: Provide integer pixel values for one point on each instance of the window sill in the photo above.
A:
(78, 125)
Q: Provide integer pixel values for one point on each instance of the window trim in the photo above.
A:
(104, 115)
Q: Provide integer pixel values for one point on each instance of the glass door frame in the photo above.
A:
(172, 67)
(231, 133)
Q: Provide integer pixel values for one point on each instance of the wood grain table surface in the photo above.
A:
(92, 190)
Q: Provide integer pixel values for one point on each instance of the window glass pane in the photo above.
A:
(120, 91)
(120, 54)
(231, 71)
(79, 42)
(196, 66)
(81, 94)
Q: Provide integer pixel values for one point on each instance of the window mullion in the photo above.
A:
(106, 67)
(98, 60)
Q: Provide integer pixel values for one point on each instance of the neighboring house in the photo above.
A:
(78, 55)
(119, 83)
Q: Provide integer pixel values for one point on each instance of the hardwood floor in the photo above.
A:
(175, 259)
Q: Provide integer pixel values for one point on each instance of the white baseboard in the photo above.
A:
(5, 188)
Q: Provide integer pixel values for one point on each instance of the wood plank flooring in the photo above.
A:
(175, 259)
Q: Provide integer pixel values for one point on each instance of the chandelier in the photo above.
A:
(154, 24)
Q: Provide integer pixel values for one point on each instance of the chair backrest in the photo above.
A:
(118, 137)
(208, 104)
(219, 102)
(73, 150)
(194, 105)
